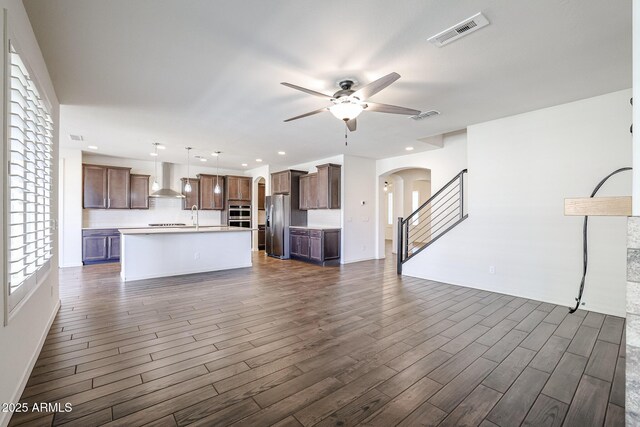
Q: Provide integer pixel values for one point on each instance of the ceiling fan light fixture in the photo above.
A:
(346, 110)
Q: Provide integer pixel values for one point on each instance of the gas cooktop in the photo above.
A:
(168, 224)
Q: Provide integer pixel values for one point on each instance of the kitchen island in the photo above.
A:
(172, 251)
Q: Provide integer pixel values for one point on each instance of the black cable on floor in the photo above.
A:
(585, 251)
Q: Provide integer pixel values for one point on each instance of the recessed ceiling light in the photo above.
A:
(259, 160)
(282, 153)
(409, 148)
(214, 154)
(245, 165)
(92, 147)
(161, 147)
(202, 159)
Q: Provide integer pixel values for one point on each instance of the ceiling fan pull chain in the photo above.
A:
(345, 133)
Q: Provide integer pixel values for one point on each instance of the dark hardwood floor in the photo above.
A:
(287, 343)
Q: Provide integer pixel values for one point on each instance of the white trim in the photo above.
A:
(5, 417)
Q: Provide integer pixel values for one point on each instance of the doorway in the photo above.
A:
(402, 191)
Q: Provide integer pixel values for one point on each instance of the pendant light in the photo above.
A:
(187, 186)
(217, 189)
(155, 186)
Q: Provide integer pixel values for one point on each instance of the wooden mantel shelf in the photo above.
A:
(598, 206)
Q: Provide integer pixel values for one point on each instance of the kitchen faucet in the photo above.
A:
(197, 221)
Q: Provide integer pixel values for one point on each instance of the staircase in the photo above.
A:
(432, 220)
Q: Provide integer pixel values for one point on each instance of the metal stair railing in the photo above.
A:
(433, 219)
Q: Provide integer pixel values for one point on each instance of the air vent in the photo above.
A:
(76, 137)
(425, 114)
(461, 29)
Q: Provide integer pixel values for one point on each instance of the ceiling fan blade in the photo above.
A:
(376, 86)
(309, 91)
(311, 113)
(393, 109)
(351, 125)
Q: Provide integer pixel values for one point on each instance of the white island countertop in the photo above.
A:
(172, 251)
(183, 229)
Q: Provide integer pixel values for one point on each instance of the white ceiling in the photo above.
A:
(207, 73)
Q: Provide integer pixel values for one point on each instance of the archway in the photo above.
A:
(401, 191)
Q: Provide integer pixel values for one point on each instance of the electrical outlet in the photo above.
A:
(196, 255)
(492, 269)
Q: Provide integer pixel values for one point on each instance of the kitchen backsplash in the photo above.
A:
(160, 211)
(324, 217)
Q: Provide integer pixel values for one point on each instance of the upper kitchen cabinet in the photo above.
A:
(282, 182)
(139, 191)
(193, 197)
(118, 187)
(94, 187)
(328, 186)
(239, 188)
(105, 187)
(309, 191)
(209, 200)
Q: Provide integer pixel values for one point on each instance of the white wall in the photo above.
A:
(520, 170)
(70, 207)
(443, 163)
(22, 337)
(358, 209)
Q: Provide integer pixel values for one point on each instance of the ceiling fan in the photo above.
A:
(349, 103)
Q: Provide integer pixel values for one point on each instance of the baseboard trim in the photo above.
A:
(6, 416)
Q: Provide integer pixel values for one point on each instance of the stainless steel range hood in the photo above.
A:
(165, 192)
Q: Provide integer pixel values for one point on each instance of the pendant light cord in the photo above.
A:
(585, 249)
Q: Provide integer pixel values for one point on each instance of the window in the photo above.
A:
(30, 183)
(389, 208)
(415, 204)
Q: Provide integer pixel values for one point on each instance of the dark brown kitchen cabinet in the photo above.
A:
(261, 237)
(328, 186)
(209, 200)
(239, 188)
(309, 191)
(299, 243)
(118, 188)
(315, 245)
(105, 187)
(261, 196)
(282, 182)
(139, 191)
(113, 247)
(193, 197)
(94, 187)
(100, 246)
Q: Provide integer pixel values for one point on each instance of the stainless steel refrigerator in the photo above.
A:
(282, 211)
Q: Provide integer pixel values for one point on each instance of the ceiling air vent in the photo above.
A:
(461, 29)
(425, 114)
(76, 137)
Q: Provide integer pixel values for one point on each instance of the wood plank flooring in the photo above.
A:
(289, 344)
